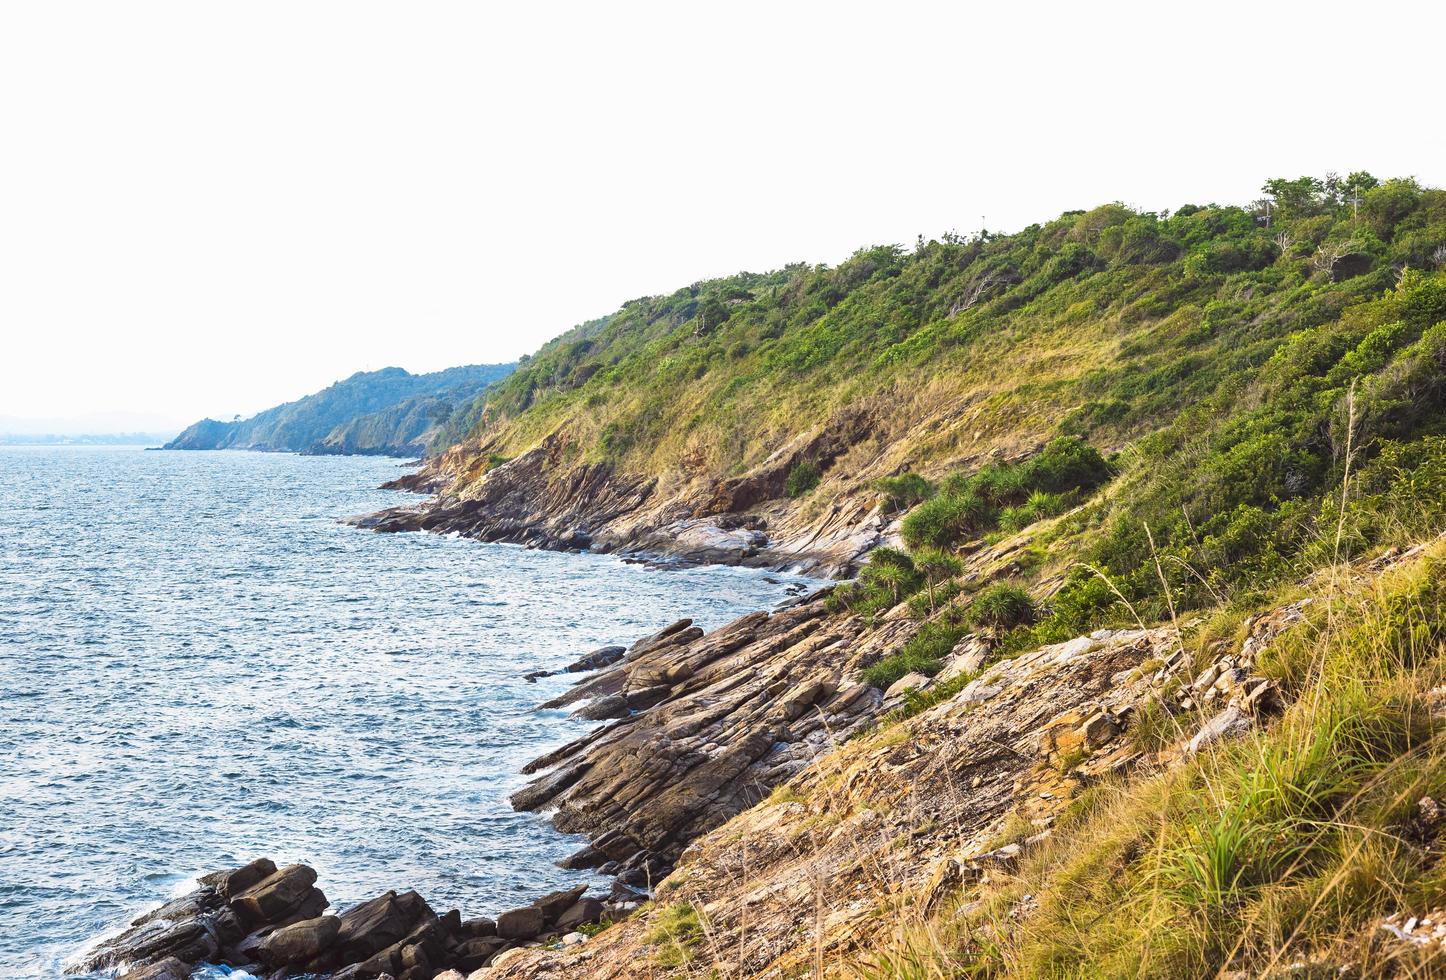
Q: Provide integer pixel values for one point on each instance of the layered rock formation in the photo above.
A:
(704, 726)
(894, 823)
(544, 498)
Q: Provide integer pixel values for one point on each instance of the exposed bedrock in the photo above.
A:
(705, 726)
(545, 499)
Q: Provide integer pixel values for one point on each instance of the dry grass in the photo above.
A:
(1280, 851)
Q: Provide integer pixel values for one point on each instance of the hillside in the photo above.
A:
(751, 418)
(386, 412)
(1140, 670)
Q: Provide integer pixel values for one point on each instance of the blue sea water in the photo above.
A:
(200, 665)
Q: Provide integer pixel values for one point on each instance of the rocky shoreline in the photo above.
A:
(535, 500)
(699, 728)
(271, 922)
(754, 725)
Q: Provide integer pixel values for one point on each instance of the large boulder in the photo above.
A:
(553, 905)
(300, 941)
(275, 896)
(368, 928)
(584, 911)
(524, 923)
(229, 884)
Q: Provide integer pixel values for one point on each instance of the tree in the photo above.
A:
(1297, 198)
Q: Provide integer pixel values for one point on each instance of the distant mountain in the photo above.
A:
(83, 438)
(386, 412)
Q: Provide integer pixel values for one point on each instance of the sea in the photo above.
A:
(201, 664)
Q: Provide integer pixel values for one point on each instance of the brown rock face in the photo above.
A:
(276, 895)
(733, 714)
(300, 941)
(545, 498)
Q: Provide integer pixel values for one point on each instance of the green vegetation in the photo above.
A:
(924, 653)
(1285, 847)
(677, 932)
(802, 478)
(1001, 606)
(903, 491)
(1212, 387)
(965, 507)
(370, 412)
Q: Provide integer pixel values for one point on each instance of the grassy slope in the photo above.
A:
(1276, 854)
(1264, 415)
(1104, 322)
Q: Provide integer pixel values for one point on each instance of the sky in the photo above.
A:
(208, 208)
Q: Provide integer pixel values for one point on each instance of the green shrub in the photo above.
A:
(924, 653)
(946, 519)
(1039, 506)
(802, 478)
(1002, 606)
(904, 491)
(1067, 463)
(887, 579)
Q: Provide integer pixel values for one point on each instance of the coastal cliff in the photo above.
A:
(1139, 667)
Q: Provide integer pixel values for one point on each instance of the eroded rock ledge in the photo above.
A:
(544, 499)
(703, 727)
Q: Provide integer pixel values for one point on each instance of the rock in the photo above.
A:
(476, 953)
(573, 938)
(374, 925)
(523, 923)
(599, 658)
(450, 975)
(154, 940)
(276, 895)
(604, 709)
(910, 681)
(1098, 729)
(231, 883)
(588, 857)
(1231, 721)
(552, 906)
(169, 968)
(300, 941)
(646, 698)
(477, 928)
(506, 956)
(946, 879)
(968, 657)
(585, 911)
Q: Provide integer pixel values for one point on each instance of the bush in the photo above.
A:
(1039, 506)
(904, 491)
(802, 478)
(946, 520)
(1067, 463)
(923, 654)
(1002, 606)
(888, 579)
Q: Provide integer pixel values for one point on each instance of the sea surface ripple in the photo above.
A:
(200, 665)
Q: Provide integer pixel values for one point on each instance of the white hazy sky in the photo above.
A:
(207, 208)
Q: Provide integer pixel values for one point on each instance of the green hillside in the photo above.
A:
(1221, 357)
(386, 412)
